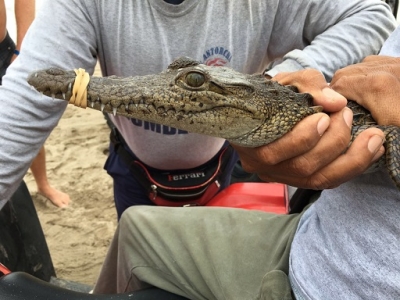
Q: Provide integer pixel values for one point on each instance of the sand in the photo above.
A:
(79, 235)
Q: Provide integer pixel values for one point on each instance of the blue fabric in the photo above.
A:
(347, 244)
(129, 192)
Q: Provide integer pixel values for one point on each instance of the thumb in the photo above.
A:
(313, 82)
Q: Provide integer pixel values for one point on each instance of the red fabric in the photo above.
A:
(268, 197)
(4, 270)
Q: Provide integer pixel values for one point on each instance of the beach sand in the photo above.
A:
(79, 235)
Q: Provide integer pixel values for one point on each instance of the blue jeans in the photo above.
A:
(129, 192)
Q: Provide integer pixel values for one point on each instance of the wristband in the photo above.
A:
(16, 52)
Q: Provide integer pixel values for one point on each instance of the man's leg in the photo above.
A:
(197, 252)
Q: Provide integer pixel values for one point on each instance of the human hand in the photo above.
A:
(313, 155)
(375, 85)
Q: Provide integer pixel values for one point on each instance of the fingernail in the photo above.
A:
(329, 93)
(374, 143)
(348, 116)
(378, 154)
(323, 124)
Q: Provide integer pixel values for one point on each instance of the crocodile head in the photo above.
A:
(247, 110)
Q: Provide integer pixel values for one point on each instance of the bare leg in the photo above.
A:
(24, 15)
(38, 169)
(3, 20)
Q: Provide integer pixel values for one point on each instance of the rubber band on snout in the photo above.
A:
(79, 91)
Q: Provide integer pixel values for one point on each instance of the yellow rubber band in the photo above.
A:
(79, 91)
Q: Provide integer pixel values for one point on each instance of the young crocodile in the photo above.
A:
(247, 110)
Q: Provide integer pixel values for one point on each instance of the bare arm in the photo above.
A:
(24, 15)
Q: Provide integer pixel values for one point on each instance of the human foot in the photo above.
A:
(57, 197)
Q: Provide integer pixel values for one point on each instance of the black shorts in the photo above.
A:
(7, 47)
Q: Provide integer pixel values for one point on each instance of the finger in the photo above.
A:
(304, 80)
(381, 61)
(370, 65)
(313, 82)
(331, 145)
(330, 100)
(365, 149)
(304, 136)
(377, 92)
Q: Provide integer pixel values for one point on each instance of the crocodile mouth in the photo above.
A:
(218, 119)
(145, 107)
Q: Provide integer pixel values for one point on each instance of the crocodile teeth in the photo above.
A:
(63, 94)
(69, 87)
(102, 107)
(91, 104)
(53, 96)
(114, 111)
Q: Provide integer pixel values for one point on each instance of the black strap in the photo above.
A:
(301, 198)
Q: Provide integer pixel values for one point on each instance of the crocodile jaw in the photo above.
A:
(215, 119)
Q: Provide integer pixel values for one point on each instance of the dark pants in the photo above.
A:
(7, 47)
(23, 246)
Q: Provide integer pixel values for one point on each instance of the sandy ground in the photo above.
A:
(78, 236)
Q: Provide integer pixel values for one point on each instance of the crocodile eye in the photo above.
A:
(195, 79)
